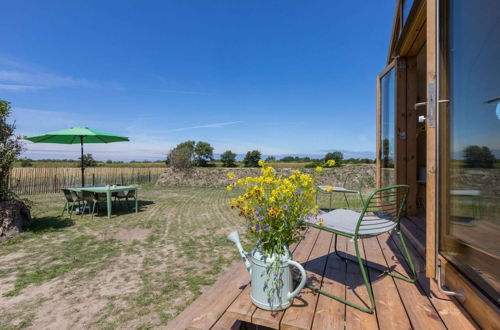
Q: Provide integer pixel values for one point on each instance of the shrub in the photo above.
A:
(10, 149)
(337, 156)
(180, 158)
(228, 159)
(252, 158)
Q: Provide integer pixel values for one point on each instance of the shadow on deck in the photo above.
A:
(399, 304)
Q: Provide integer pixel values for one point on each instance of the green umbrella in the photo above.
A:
(77, 135)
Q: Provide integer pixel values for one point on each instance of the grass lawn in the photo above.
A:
(130, 271)
(133, 270)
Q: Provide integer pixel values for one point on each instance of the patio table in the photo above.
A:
(324, 189)
(109, 190)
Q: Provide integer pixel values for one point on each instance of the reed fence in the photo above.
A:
(35, 180)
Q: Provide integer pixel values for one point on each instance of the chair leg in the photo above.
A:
(347, 201)
(64, 208)
(93, 210)
(365, 280)
(71, 210)
(383, 270)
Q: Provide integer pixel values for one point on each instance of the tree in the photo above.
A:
(337, 156)
(252, 158)
(270, 159)
(228, 159)
(26, 162)
(109, 161)
(10, 149)
(183, 156)
(203, 152)
(476, 156)
(88, 160)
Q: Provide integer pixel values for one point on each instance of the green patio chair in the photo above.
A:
(72, 199)
(381, 214)
(92, 201)
(352, 184)
(125, 195)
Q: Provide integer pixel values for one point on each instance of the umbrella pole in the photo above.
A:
(81, 160)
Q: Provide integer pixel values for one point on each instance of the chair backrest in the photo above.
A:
(68, 195)
(88, 196)
(382, 210)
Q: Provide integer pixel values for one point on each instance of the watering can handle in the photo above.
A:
(302, 280)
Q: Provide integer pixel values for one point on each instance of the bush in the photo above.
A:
(337, 156)
(180, 158)
(26, 162)
(252, 158)
(10, 149)
(228, 159)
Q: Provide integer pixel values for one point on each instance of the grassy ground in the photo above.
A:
(133, 270)
(130, 271)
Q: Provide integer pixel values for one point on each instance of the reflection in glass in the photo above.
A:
(407, 4)
(472, 231)
(387, 95)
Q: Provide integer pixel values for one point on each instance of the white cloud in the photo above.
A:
(18, 88)
(18, 76)
(215, 125)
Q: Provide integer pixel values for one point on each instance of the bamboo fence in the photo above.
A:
(35, 180)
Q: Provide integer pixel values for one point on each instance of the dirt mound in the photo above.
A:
(216, 177)
(14, 216)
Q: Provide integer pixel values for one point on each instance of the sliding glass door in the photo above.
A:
(470, 222)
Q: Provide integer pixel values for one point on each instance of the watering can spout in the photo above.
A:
(235, 238)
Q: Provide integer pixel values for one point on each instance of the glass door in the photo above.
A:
(387, 126)
(470, 131)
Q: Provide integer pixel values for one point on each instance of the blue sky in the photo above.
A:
(283, 77)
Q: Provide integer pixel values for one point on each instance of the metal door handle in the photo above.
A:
(420, 104)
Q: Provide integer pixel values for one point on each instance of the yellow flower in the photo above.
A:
(261, 163)
(330, 163)
(329, 189)
(319, 169)
(321, 222)
(230, 175)
(229, 188)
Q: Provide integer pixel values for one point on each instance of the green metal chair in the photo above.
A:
(381, 214)
(92, 199)
(353, 184)
(72, 199)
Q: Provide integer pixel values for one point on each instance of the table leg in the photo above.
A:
(108, 195)
(136, 203)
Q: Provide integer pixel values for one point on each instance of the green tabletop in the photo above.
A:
(108, 190)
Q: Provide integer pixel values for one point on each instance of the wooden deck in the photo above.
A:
(399, 304)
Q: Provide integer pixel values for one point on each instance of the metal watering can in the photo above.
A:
(258, 265)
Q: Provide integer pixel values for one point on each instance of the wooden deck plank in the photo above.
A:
(391, 313)
(227, 322)
(301, 254)
(356, 292)
(420, 310)
(301, 316)
(242, 307)
(414, 233)
(330, 313)
(227, 287)
(452, 314)
(220, 297)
